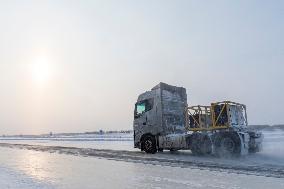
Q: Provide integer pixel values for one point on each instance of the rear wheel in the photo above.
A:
(227, 145)
(149, 144)
(201, 144)
(256, 148)
(160, 150)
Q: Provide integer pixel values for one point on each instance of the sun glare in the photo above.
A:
(41, 71)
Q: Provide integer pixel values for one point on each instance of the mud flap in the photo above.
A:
(244, 138)
(255, 143)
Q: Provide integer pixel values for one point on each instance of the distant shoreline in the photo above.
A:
(101, 132)
(267, 127)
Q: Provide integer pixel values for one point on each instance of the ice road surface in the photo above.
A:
(32, 169)
(45, 168)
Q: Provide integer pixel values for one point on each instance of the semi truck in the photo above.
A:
(164, 121)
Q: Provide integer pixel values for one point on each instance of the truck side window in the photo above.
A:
(143, 106)
(140, 108)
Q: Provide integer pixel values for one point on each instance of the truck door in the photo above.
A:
(144, 119)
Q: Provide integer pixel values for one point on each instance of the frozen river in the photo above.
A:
(45, 166)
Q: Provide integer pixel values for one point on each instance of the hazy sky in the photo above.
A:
(74, 66)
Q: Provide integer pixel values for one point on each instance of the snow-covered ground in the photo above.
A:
(107, 141)
(124, 167)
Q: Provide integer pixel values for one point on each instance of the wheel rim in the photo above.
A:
(148, 145)
(228, 145)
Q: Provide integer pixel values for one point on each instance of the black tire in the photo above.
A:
(255, 149)
(194, 142)
(173, 150)
(206, 145)
(149, 144)
(160, 150)
(227, 144)
(201, 144)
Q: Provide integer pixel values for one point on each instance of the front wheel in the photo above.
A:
(149, 145)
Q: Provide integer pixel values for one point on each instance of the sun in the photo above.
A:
(41, 71)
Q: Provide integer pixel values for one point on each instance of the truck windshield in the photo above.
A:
(140, 108)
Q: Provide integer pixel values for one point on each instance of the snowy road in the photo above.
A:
(34, 169)
(99, 164)
(178, 159)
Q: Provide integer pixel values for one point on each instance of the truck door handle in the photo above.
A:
(144, 123)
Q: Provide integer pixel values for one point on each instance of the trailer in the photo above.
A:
(164, 121)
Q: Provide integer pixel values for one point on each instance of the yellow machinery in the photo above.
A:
(223, 126)
(198, 118)
(220, 115)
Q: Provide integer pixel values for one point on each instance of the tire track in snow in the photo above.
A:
(140, 157)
